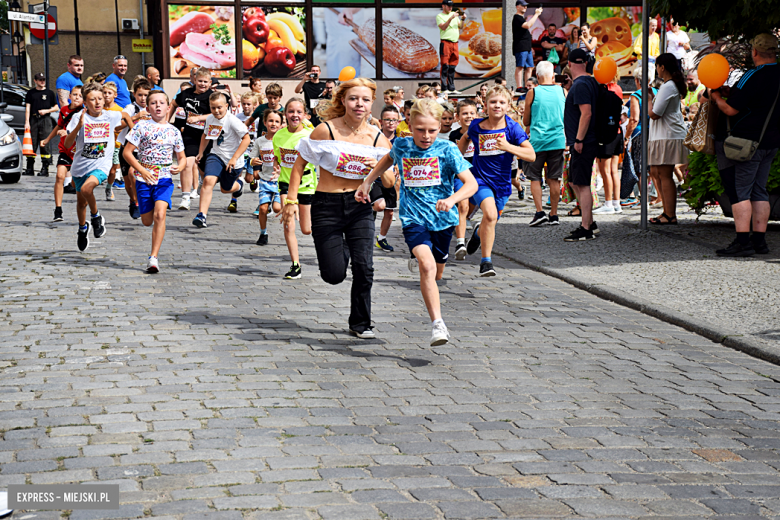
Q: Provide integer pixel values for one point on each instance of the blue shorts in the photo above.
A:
(99, 175)
(216, 168)
(268, 192)
(456, 184)
(438, 241)
(485, 192)
(149, 194)
(524, 59)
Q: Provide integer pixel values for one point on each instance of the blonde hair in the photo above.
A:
(249, 95)
(90, 87)
(389, 93)
(499, 90)
(422, 90)
(157, 93)
(426, 107)
(335, 107)
(202, 72)
(109, 85)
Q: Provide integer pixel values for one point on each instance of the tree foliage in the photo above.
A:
(3, 16)
(742, 19)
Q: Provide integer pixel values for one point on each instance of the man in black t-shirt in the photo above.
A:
(549, 42)
(39, 102)
(521, 42)
(312, 89)
(748, 110)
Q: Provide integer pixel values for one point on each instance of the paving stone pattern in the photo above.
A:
(217, 390)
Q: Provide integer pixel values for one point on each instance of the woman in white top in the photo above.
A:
(667, 131)
(346, 148)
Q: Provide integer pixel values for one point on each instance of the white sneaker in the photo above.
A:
(194, 194)
(185, 203)
(413, 265)
(152, 266)
(604, 210)
(617, 209)
(440, 334)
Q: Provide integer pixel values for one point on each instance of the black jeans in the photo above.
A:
(343, 229)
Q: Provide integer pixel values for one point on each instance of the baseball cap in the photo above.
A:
(578, 56)
(521, 2)
(40, 76)
(764, 42)
(447, 2)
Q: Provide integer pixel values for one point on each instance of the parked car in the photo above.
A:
(13, 97)
(10, 151)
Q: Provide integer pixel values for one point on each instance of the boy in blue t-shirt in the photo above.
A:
(428, 168)
(497, 139)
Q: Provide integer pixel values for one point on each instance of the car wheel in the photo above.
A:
(11, 178)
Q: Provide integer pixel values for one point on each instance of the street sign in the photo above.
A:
(25, 17)
(37, 29)
(39, 8)
(142, 45)
(54, 36)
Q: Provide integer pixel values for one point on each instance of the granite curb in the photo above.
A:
(726, 338)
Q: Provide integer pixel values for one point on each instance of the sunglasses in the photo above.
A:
(119, 57)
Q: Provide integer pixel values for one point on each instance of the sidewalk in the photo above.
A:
(671, 272)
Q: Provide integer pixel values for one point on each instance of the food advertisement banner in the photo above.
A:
(337, 40)
(202, 36)
(616, 29)
(566, 19)
(410, 43)
(274, 44)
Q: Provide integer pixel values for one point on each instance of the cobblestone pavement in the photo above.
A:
(672, 266)
(216, 390)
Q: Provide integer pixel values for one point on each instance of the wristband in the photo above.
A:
(578, 141)
(290, 201)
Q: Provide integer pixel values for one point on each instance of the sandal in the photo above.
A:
(670, 221)
(574, 212)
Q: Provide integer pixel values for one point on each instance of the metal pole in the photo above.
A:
(141, 32)
(46, 39)
(118, 40)
(76, 22)
(645, 97)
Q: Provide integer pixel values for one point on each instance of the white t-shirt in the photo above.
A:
(156, 143)
(264, 149)
(94, 143)
(667, 105)
(227, 134)
(675, 42)
(252, 129)
(132, 109)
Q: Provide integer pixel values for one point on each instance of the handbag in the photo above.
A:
(739, 149)
(553, 57)
(699, 136)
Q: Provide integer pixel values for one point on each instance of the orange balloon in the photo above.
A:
(713, 70)
(605, 70)
(347, 73)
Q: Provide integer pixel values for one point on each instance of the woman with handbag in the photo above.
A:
(665, 147)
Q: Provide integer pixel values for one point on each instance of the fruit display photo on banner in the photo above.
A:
(342, 39)
(410, 43)
(616, 29)
(274, 42)
(202, 36)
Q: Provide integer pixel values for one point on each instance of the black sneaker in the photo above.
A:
(595, 228)
(98, 227)
(294, 273)
(233, 206)
(253, 186)
(57, 215)
(521, 194)
(553, 220)
(83, 238)
(762, 248)
(580, 234)
(474, 241)
(237, 194)
(737, 249)
(135, 213)
(540, 217)
(384, 246)
(263, 240)
(460, 252)
(486, 269)
(70, 188)
(199, 220)
(363, 334)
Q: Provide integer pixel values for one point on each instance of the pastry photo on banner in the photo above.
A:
(337, 43)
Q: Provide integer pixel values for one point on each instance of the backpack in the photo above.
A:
(608, 109)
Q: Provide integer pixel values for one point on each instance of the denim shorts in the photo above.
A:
(268, 192)
(438, 241)
(149, 194)
(101, 177)
(216, 168)
(524, 59)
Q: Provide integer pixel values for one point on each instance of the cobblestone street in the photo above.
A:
(216, 390)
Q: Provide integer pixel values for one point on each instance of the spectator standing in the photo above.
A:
(551, 41)
(544, 109)
(522, 41)
(695, 88)
(122, 92)
(450, 23)
(580, 128)
(677, 42)
(398, 101)
(574, 39)
(608, 160)
(69, 79)
(653, 42)
(588, 42)
(665, 147)
(153, 75)
(39, 102)
(748, 108)
(312, 89)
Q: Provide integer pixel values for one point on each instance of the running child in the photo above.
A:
(230, 139)
(466, 113)
(155, 141)
(266, 171)
(403, 127)
(388, 96)
(249, 101)
(428, 167)
(447, 120)
(387, 199)
(132, 113)
(109, 94)
(93, 135)
(65, 157)
(273, 95)
(497, 139)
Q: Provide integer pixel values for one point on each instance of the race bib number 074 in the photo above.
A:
(421, 172)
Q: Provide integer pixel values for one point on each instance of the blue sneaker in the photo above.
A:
(120, 185)
(199, 221)
(383, 245)
(256, 212)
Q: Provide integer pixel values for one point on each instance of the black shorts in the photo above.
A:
(581, 165)
(379, 192)
(609, 150)
(304, 199)
(64, 160)
(124, 166)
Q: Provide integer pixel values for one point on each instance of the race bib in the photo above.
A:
(420, 173)
(253, 127)
(288, 157)
(96, 132)
(94, 150)
(404, 134)
(351, 167)
(488, 144)
(181, 113)
(313, 103)
(469, 150)
(200, 125)
(213, 131)
(267, 156)
(154, 169)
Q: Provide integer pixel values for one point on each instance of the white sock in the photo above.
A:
(381, 237)
(185, 194)
(461, 241)
(68, 180)
(608, 203)
(616, 204)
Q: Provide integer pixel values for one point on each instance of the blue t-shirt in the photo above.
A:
(66, 81)
(427, 177)
(493, 167)
(156, 87)
(122, 92)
